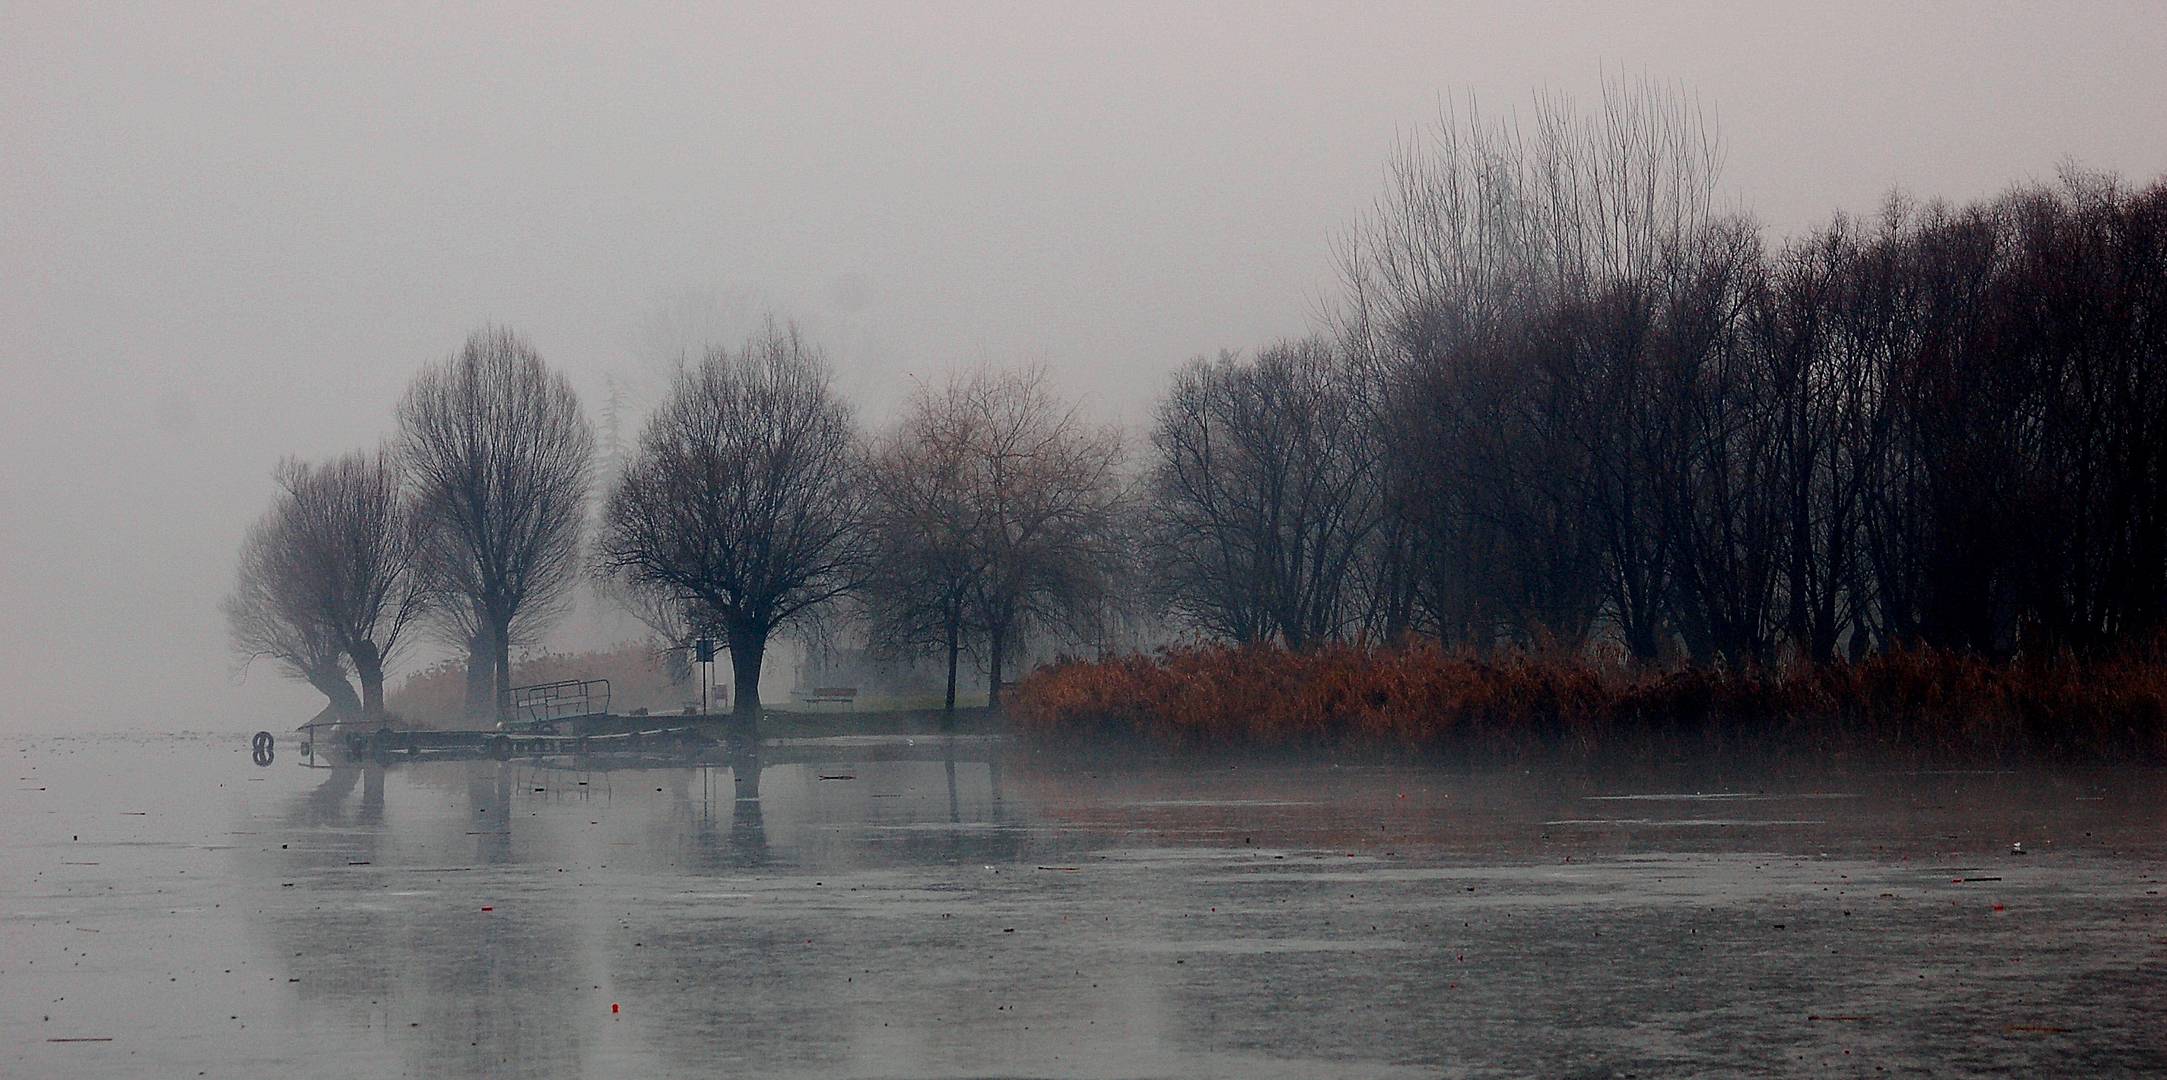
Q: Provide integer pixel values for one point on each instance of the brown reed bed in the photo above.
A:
(1919, 704)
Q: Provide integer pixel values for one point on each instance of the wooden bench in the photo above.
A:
(831, 694)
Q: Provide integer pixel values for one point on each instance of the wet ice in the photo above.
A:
(987, 913)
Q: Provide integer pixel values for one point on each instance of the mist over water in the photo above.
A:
(232, 236)
(908, 907)
(1444, 380)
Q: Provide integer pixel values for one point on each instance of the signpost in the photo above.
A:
(703, 650)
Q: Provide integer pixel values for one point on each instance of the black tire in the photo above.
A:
(263, 748)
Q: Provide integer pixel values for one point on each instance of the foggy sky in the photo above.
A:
(231, 234)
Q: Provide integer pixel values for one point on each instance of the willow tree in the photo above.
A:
(329, 580)
(742, 503)
(268, 618)
(499, 455)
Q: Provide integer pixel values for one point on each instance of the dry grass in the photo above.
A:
(1423, 697)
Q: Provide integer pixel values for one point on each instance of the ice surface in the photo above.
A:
(988, 914)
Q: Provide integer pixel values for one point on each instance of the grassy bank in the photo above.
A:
(1422, 697)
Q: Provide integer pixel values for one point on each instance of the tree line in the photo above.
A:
(751, 505)
(1568, 402)
(1565, 400)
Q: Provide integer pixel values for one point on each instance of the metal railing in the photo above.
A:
(544, 703)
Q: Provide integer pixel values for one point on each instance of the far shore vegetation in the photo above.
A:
(1919, 705)
(1577, 457)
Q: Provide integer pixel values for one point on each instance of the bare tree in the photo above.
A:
(1508, 301)
(330, 576)
(744, 500)
(1938, 429)
(268, 617)
(925, 559)
(1031, 494)
(1717, 501)
(2017, 503)
(1046, 488)
(499, 453)
(1264, 493)
(362, 543)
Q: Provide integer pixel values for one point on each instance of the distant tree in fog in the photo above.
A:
(499, 454)
(1264, 495)
(743, 501)
(329, 579)
(923, 559)
(1045, 489)
(268, 618)
(994, 512)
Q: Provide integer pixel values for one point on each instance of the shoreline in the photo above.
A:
(1425, 701)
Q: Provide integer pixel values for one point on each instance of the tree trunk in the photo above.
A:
(996, 644)
(500, 640)
(955, 648)
(340, 692)
(1642, 642)
(747, 647)
(481, 680)
(369, 666)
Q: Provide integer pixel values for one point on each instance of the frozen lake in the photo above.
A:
(168, 909)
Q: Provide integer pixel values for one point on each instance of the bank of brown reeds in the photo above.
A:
(1424, 697)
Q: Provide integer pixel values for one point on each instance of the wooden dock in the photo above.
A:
(571, 721)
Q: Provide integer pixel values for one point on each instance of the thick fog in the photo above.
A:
(228, 235)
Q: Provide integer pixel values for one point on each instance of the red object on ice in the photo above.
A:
(613, 1007)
